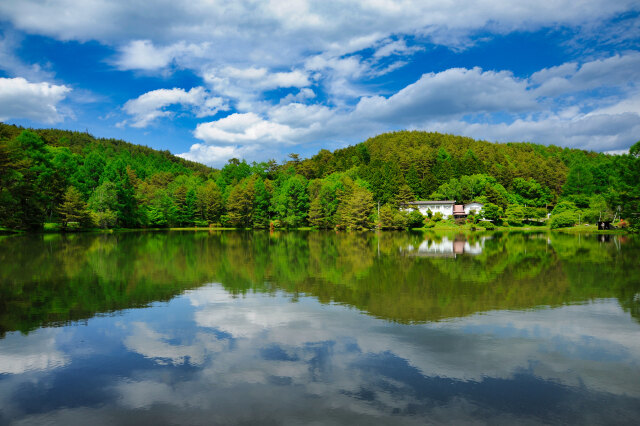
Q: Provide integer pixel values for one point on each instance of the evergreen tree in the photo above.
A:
(413, 181)
(443, 169)
(291, 203)
(262, 201)
(73, 209)
(405, 195)
(355, 211)
(209, 202)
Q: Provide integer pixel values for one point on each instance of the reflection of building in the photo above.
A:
(446, 207)
(446, 247)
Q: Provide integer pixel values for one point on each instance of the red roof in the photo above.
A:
(458, 209)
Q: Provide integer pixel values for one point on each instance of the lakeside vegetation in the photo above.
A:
(80, 182)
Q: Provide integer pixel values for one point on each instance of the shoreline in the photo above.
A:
(581, 229)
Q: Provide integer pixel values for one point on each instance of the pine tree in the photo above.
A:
(73, 209)
(405, 195)
(413, 180)
(356, 209)
(209, 202)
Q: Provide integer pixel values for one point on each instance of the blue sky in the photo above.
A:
(211, 80)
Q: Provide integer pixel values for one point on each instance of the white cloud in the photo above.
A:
(20, 98)
(246, 128)
(151, 105)
(246, 85)
(302, 96)
(143, 55)
(598, 132)
(317, 22)
(398, 47)
(214, 155)
(454, 92)
(614, 71)
(298, 115)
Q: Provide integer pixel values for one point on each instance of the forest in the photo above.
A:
(57, 179)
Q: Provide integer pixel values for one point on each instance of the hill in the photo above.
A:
(77, 180)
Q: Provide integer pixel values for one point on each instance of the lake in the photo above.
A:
(319, 328)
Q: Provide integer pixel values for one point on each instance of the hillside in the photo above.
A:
(76, 180)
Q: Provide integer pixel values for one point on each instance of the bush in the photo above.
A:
(429, 224)
(415, 219)
(491, 211)
(488, 226)
(563, 220)
(437, 216)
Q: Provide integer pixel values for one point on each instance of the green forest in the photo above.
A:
(65, 180)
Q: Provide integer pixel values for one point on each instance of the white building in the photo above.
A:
(446, 207)
(475, 206)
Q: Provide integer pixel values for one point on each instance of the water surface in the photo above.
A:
(319, 327)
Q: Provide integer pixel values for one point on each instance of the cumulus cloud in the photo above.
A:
(243, 128)
(110, 22)
(246, 85)
(397, 47)
(215, 155)
(20, 98)
(615, 71)
(456, 91)
(151, 105)
(143, 55)
(598, 132)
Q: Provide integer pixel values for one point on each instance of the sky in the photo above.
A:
(211, 80)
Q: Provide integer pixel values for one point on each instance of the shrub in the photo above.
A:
(429, 224)
(563, 220)
(437, 216)
(415, 219)
(488, 226)
(491, 211)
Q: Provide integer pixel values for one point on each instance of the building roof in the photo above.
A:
(429, 203)
(458, 209)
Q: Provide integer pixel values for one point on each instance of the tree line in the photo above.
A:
(78, 181)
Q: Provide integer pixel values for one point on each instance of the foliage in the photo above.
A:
(73, 210)
(564, 219)
(491, 211)
(126, 185)
(355, 211)
(415, 219)
(515, 214)
(489, 226)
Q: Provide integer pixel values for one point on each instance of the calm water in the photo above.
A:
(322, 328)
